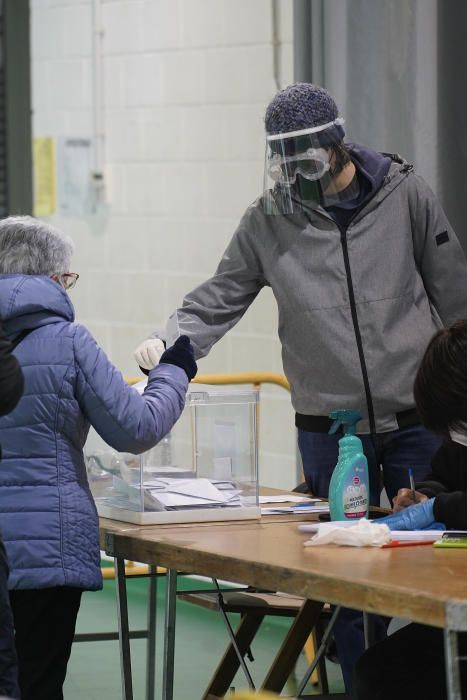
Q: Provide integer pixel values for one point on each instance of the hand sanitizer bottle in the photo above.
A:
(349, 486)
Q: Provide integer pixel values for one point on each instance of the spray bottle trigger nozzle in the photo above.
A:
(348, 418)
(334, 427)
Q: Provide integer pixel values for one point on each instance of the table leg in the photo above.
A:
(232, 636)
(369, 631)
(169, 635)
(319, 652)
(230, 663)
(451, 656)
(151, 642)
(123, 629)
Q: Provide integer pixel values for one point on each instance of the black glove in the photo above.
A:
(181, 354)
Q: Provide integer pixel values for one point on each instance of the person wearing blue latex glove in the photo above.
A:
(440, 392)
(416, 517)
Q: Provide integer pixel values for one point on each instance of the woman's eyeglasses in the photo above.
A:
(68, 279)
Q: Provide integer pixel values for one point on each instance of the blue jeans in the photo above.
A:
(393, 452)
(389, 456)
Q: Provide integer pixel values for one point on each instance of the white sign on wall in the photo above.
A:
(74, 167)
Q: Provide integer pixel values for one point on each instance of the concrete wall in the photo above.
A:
(186, 83)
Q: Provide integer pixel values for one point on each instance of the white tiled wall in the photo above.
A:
(186, 83)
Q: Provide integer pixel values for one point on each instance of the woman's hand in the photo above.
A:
(419, 516)
(404, 499)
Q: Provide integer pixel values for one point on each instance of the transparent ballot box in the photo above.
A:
(206, 468)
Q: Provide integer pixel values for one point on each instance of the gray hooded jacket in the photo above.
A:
(357, 306)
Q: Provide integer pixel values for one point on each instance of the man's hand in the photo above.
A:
(404, 499)
(149, 352)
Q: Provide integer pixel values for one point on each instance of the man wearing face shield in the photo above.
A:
(309, 168)
(361, 261)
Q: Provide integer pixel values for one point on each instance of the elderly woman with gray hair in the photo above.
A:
(47, 514)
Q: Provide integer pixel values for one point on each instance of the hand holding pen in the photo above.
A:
(408, 496)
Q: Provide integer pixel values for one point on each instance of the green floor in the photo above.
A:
(94, 671)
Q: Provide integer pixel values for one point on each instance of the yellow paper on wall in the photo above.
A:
(45, 176)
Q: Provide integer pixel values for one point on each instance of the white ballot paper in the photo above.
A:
(189, 493)
(288, 498)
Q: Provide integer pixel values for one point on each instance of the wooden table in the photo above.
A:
(424, 584)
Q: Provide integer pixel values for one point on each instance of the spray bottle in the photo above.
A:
(349, 486)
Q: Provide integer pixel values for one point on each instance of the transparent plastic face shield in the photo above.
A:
(298, 168)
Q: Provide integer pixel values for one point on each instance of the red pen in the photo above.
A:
(409, 543)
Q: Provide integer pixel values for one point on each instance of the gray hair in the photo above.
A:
(32, 247)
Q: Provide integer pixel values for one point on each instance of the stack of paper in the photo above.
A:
(302, 505)
(175, 494)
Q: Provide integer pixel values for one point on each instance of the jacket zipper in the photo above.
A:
(358, 336)
(353, 309)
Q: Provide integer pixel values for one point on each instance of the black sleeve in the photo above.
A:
(451, 509)
(444, 475)
(11, 377)
(448, 484)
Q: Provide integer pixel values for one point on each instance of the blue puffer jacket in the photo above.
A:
(47, 514)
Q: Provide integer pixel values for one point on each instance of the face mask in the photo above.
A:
(460, 438)
(309, 191)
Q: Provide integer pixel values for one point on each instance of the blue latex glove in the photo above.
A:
(417, 517)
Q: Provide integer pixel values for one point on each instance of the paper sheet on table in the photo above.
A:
(416, 535)
(399, 535)
(166, 493)
(287, 498)
(201, 489)
(300, 509)
(177, 500)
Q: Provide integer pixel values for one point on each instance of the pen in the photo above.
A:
(397, 543)
(412, 485)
